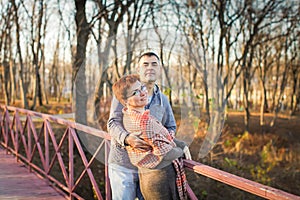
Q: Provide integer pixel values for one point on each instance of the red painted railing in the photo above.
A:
(22, 139)
(19, 135)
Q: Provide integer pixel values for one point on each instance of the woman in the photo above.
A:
(161, 172)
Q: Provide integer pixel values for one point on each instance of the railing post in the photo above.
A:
(12, 133)
(1, 125)
(71, 164)
(18, 133)
(29, 144)
(6, 125)
(107, 181)
(46, 144)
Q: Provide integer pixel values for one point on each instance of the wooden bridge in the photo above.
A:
(17, 183)
(41, 157)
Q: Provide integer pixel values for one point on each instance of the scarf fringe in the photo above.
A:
(181, 181)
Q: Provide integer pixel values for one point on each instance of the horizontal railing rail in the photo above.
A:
(22, 139)
(239, 182)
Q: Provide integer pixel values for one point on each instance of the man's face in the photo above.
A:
(149, 69)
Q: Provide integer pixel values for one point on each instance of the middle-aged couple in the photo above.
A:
(145, 160)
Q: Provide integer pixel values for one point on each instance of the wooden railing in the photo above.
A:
(42, 149)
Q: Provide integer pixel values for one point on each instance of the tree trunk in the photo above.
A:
(246, 102)
(23, 90)
(5, 75)
(43, 83)
(295, 83)
(79, 77)
(12, 72)
(36, 52)
(282, 85)
(263, 103)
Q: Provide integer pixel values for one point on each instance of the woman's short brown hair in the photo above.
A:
(121, 86)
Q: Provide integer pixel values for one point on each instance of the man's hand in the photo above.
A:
(187, 153)
(134, 141)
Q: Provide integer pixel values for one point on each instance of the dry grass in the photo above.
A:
(269, 155)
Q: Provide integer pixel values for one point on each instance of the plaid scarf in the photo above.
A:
(151, 131)
(181, 181)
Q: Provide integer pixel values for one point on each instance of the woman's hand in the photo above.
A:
(187, 153)
(136, 142)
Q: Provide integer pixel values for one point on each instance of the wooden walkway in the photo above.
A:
(17, 183)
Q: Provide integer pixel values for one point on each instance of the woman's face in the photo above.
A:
(137, 96)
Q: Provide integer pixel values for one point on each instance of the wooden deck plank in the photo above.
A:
(17, 183)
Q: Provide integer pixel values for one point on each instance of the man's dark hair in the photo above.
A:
(149, 54)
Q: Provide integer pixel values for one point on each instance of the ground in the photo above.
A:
(269, 155)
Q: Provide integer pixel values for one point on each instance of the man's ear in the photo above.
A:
(160, 69)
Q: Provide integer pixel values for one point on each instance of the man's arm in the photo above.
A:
(115, 122)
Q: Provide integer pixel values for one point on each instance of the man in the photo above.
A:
(123, 175)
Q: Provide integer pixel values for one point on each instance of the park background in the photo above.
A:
(230, 69)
